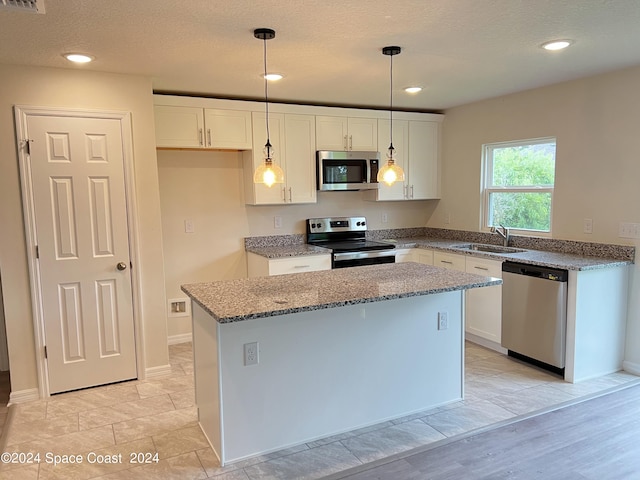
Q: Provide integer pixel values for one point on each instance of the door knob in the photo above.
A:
(121, 266)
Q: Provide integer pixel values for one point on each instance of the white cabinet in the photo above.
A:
(194, 127)
(259, 266)
(450, 261)
(293, 140)
(416, 145)
(346, 133)
(405, 255)
(423, 172)
(483, 306)
(423, 256)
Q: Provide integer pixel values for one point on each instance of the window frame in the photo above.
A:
(486, 178)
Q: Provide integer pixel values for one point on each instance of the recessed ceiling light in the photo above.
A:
(273, 77)
(557, 44)
(413, 89)
(78, 57)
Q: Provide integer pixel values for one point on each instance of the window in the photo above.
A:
(518, 184)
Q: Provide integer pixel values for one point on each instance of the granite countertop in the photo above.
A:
(284, 251)
(565, 261)
(251, 298)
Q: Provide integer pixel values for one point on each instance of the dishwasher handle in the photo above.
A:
(545, 273)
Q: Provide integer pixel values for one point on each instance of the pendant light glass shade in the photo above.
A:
(390, 172)
(268, 172)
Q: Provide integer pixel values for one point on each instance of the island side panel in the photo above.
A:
(207, 376)
(329, 371)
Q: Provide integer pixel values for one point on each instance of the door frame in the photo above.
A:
(22, 113)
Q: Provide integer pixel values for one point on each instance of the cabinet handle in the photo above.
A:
(350, 142)
(209, 136)
(411, 191)
(284, 195)
(346, 145)
(446, 261)
(302, 266)
(201, 137)
(290, 196)
(482, 268)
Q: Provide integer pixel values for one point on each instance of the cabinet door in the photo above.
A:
(405, 255)
(483, 306)
(261, 194)
(363, 134)
(400, 140)
(228, 129)
(422, 171)
(424, 256)
(179, 127)
(450, 261)
(331, 133)
(300, 151)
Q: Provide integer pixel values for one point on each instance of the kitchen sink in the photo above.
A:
(479, 247)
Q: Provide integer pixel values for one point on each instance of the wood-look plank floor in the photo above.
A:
(598, 439)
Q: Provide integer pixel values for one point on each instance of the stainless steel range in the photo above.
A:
(346, 237)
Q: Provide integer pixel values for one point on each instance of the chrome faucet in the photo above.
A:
(504, 234)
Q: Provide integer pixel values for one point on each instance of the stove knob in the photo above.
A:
(313, 225)
(319, 225)
(363, 224)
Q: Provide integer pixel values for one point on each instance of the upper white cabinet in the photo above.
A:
(293, 141)
(416, 145)
(346, 133)
(194, 127)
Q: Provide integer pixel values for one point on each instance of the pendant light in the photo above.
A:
(268, 172)
(391, 173)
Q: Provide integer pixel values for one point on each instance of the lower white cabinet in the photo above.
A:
(483, 306)
(450, 261)
(419, 255)
(259, 266)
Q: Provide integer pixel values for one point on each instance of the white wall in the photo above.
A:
(596, 122)
(74, 88)
(206, 187)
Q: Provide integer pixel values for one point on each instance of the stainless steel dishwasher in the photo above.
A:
(534, 314)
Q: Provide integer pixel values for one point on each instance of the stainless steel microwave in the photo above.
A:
(347, 170)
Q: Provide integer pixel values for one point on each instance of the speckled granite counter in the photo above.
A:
(244, 299)
(285, 251)
(566, 261)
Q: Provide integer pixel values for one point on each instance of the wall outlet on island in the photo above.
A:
(443, 320)
(251, 353)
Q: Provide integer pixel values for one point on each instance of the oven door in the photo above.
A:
(356, 259)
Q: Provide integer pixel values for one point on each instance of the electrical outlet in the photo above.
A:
(587, 225)
(385, 218)
(277, 222)
(251, 353)
(189, 227)
(443, 320)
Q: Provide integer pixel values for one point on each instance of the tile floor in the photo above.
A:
(159, 416)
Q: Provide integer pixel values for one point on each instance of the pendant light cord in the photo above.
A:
(391, 104)
(266, 95)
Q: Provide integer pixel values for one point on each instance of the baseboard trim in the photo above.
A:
(630, 367)
(181, 338)
(22, 396)
(484, 342)
(160, 371)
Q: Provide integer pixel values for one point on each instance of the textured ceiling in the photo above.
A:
(330, 51)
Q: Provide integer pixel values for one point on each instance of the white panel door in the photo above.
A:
(77, 173)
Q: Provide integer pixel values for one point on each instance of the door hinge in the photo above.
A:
(45, 352)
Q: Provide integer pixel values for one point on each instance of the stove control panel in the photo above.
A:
(336, 224)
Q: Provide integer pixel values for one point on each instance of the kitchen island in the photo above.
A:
(284, 360)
